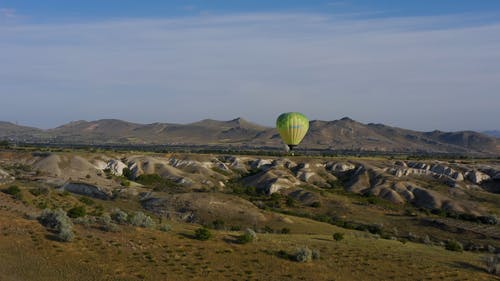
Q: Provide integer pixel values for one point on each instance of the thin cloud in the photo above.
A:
(416, 72)
(8, 13)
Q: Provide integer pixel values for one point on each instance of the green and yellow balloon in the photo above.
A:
(292, 127)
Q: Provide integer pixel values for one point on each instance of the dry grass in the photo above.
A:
(140, 254)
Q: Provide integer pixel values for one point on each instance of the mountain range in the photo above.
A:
(343, 134)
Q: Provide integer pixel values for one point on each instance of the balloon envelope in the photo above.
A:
(292, 127)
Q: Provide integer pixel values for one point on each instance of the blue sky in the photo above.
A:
(420, 65)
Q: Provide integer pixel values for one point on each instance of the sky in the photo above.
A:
(421, 65)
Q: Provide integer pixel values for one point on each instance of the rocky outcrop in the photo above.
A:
(87, 190)
(4, 176)
(116, 167)
(339, 166)
(271, 181)
(477, 177)
(448, 175)
(259, 163)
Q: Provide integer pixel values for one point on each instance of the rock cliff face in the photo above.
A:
(87, 190)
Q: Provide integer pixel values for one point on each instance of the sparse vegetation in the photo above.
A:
(453, 245)
(58, 221)
(165, 227)
(337, 236)
(285, 230)
(303, 254)
(248, 236)
(142, 220)
(119, 216)
(65, 234)
(87, 201)
(202, 234)
(218, 224)
(13, 190)
(127, 173)
(39, 191)
(77, 212)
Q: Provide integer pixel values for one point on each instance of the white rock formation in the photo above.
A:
(116, 167)
(477, 177)
(340, 167)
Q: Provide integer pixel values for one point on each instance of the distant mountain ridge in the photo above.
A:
(343, 134)
(493, 133)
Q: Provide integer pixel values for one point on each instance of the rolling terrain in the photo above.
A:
(343, 134)
(398, 217)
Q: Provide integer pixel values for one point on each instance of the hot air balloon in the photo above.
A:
(292, 127)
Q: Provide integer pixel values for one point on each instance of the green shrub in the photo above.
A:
(149, 179)
(65, 234)
(268, 229)
(337, 236)
(77, 212)
(110, 227)
(119, 216)
(247, 237)
(85, 221)
(13, 190)
(316, 204)
(218, 224)
(142, 220)
(87, 201)
(285, 230)
(4, 144)
(165, 227)
(39, 191)
(202, 234)
(58, 221)
(315, 254)
(125, 183)
(235, 228)
(127, 173)
(54, 219)
(453, 245)
(290, 202)
(303, 254)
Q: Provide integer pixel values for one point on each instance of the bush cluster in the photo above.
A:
(142, 220)
(248, 236)
(165, 227)
(58, 221)
(13, 190)
(202, 234)
(337, 236)
(453, 245)
(304, 254)
(119, 216)
(77, 212)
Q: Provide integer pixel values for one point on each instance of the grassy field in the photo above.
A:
(28, 252)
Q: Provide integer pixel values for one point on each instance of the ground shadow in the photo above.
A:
(187, 235)
(52, 237)
(467, 265)
(231, 239)
(322, 239)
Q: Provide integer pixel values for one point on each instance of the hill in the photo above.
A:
(343, 134)
(396, 217)
(493, 133)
